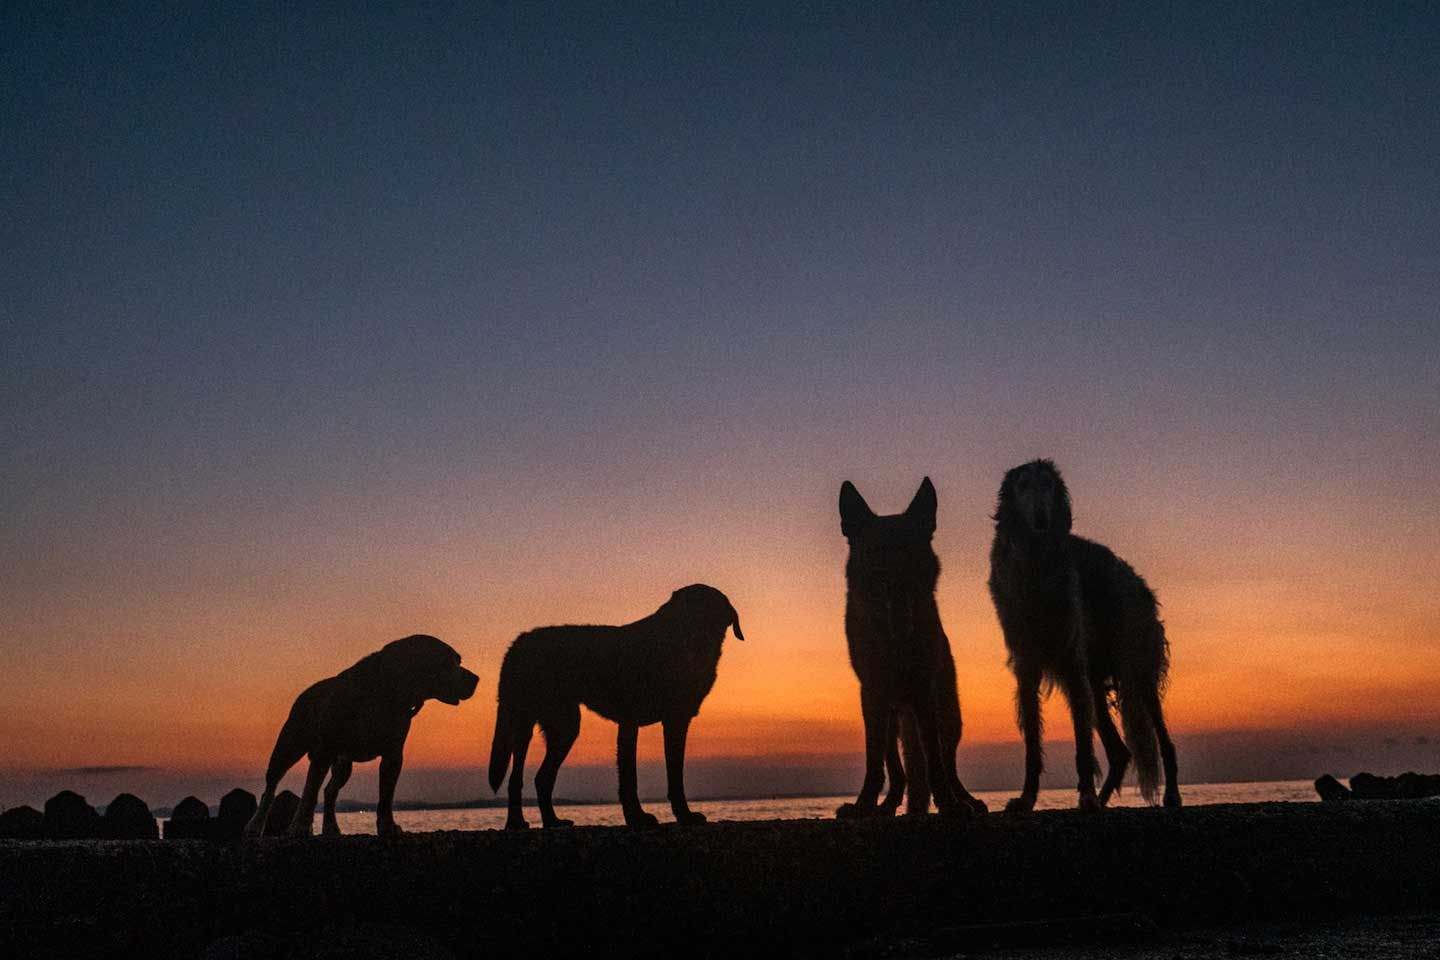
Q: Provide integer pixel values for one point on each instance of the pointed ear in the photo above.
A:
(854, 511)
(922, 508)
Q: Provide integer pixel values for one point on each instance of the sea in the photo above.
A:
(804, 808)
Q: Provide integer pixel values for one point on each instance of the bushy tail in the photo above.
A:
(1140, 738)
(1141, 683)
(502, 747)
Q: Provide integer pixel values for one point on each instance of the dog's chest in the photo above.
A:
(370, 733)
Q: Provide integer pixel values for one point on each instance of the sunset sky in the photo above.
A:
(318, 329)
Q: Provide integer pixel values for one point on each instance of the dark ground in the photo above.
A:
(1362, 879)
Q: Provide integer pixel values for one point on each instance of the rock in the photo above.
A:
(67, 815)
(1367, 786)
(236, 809)
(190, 820)
(191, 808)
(1417, 786)
(128, 818)
(282, 811)
(1407, 786)
(1331, 790)
(22, 823)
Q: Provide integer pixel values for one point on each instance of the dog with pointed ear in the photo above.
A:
(900, 653)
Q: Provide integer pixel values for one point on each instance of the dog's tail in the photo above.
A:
(502, 746)
(1138, 693)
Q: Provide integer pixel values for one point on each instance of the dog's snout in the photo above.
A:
(468, 683)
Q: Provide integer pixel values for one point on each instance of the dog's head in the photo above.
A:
(704, 607)
(1033, 500)
(421, 668)
(894, 551)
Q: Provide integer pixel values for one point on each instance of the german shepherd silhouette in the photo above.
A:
(900, 653)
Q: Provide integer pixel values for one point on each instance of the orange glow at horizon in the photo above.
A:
(198, 671)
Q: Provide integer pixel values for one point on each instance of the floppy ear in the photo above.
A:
(922, 508)
(854, 511)
(735, 624)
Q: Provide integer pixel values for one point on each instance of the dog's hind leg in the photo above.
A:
(303, 825)
(515, 817)
(289, 748)
(560, 733)
(1167, 748)
(1117, 755)
(625, 743)
(339, 774)
(1027, 711)
(676, 731)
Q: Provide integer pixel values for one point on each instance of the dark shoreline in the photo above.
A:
(804, 887)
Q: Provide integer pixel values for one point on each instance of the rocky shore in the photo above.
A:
(910, 886)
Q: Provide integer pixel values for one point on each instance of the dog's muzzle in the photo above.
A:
(461, 686)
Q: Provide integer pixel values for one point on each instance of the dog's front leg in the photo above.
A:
(390, 764)
(1027, 708)
(629, 784)
(339, 774)
(1082, 716)
(303, 825)
(675, 734)
(877, 713)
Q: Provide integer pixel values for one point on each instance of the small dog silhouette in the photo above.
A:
(357, 715)
(657, 669)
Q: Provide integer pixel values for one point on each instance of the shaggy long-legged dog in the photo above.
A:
(657, 669)
(900, 653)
(361, 713)
(1075, 614)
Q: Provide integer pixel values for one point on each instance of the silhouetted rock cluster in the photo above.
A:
(191, 820)
(1368, 786)
(68, 816)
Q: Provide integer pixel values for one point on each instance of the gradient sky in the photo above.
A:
(319, 328)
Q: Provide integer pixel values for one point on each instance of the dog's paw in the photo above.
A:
(1089, 803)
(690, 818)
(1172, 799)
(977, 806)
(856, 811)
(558, 823)
(516, 823)
(1020, 805)
(330, 830)
(641, 819)
(390, 829)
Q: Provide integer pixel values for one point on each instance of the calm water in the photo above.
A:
(608, 814)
